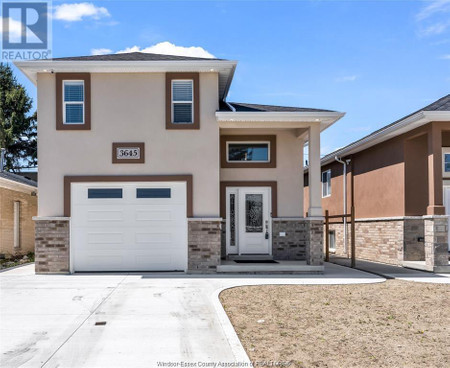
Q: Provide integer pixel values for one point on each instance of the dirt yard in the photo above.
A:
(391, 324)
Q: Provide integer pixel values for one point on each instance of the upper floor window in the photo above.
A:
(248, 151)
(182, 101)
(446, 162)
(326, 183)
(73, 102)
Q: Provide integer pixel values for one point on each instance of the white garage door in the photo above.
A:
(131, 226)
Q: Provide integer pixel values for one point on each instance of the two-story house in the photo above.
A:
(144, 166)
(397, 179)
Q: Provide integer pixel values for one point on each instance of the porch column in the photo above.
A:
(315, 187)
(435, 184)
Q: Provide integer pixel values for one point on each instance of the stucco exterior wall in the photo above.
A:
(288, 173)
(28, 209)
(129, 107)
(390, 179)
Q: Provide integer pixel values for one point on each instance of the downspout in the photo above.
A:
(344, 178)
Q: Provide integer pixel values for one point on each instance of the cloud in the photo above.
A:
(435, 29)
(168, 48)
(434, 7)
(79, 11)
(445, 57)
(15, 29)
(433, 19)
(346, 78)
(101, 51)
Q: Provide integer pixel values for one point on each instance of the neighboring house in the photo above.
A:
(398, 179)
(18, 205)
(142, 163)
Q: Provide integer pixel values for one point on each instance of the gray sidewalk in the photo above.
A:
(391, 271)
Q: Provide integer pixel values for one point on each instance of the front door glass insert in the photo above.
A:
(254, 213)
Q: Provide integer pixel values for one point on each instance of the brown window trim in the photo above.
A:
(60, 78)
(116, 145)
(225, 184)
(195, 77)
(272, 139)
(68, 180)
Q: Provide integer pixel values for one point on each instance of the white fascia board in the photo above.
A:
(14, 185)
(410, 123)
(282, 119)
(31, 68)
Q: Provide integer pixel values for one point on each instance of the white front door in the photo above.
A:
(248, 220)
(447, 209)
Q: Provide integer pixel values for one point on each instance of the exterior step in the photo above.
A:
(280, 267)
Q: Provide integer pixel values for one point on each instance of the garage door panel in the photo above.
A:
(129, 233)
(151, 238)
(104, 215)
(103, 263)
(153, 215)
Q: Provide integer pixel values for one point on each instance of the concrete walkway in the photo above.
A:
(393, 272)
(142, 319)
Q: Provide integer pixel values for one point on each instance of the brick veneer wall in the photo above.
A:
(413, 250)
(52, 246)
(293, 245)
(436, 241)
(386, 240)
(204, 245)
(314, 242)
(28, 209)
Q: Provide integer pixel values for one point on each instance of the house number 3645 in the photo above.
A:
(128, 153)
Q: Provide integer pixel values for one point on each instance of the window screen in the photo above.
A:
(182, 101)
(73, 102)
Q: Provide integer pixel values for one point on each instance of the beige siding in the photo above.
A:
(28, 209)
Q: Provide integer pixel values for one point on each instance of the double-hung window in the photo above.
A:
(326, 183)
(183, 101)
(73, 102)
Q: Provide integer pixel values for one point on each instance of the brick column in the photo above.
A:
(314, 241)
(436, 241)
(204, 243)
(292, 245)
(52, 245)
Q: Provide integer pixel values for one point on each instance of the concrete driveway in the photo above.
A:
(59, 321)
